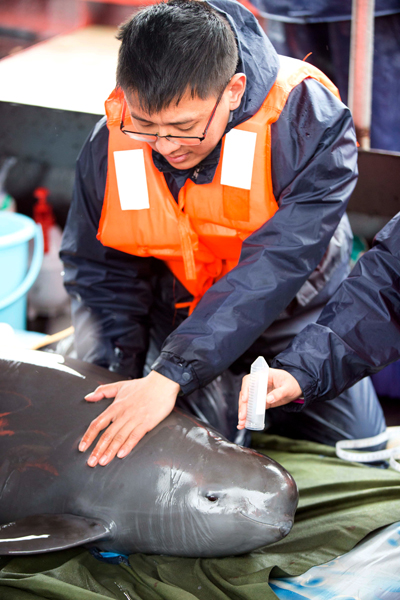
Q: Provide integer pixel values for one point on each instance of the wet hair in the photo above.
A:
(172, 48)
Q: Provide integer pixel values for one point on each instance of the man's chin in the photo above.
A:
(188, 162)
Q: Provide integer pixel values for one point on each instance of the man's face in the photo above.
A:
(188, 118)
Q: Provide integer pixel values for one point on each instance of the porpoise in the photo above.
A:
(183, 491)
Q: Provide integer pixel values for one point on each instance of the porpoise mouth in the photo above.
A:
(283, 526)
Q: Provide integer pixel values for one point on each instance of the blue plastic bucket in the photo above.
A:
(15, 277)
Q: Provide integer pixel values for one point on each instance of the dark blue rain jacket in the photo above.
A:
(290, 265)
(322, 28)
(316, 11)
(358, 332)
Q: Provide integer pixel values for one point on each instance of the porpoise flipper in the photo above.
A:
(46, 533)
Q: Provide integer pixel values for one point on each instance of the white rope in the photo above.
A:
(389, 454)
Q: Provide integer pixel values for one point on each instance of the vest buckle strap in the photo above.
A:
(186, 244)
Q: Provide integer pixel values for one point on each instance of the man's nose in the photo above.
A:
(165, 146)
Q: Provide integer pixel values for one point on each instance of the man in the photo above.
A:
(217, 188)
(356, 335)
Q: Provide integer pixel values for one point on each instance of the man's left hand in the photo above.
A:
(139, 405)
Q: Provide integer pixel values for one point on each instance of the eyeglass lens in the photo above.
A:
(180, 141)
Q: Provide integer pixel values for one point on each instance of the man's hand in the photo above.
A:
(282, 389)
(139, 405)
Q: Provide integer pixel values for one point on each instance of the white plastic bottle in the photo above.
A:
(255, 418)
(48, 296)
(7, 202)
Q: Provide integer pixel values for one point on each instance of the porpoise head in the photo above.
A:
(243, 500)
(215, 498)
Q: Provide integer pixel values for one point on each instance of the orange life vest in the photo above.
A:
(200, 236)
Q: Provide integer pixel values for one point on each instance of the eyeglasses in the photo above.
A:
(175, 139)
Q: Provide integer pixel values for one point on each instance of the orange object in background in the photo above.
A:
(48, 297)
(43, 214)
(27, 22)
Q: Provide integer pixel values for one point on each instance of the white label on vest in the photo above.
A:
(237, 162)
(131, 179)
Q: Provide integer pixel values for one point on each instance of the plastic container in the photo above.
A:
(7, 202)
(255, 418)
(16, 278)
(43, 214)
(48, 297)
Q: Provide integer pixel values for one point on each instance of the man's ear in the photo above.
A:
(235, 90)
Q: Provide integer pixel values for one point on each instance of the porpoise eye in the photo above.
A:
(212, 497)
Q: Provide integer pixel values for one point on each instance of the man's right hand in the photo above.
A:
(282, 389)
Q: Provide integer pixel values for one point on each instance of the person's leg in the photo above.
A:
(355, 414)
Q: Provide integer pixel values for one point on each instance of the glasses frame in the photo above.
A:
(171, 138)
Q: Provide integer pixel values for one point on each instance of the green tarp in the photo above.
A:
(340, 503)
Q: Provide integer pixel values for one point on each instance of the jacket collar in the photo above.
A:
(202, 173)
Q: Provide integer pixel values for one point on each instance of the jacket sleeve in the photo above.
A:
(314, 169)
(358, 332)
(111, 291)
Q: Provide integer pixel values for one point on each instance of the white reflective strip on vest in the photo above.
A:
(238, 159)
(131, 179)
(378, 455)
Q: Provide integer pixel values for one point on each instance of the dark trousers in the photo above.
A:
(356, 413)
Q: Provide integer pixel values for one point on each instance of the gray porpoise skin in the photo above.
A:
(183, 491)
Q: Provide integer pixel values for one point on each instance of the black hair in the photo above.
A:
(172, 48)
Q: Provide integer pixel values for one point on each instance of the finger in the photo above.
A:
(241, 424)
(240, 405)
(242, 419)
(278, 397)
(242, 415)
(102, 448)
(244, 392)
(242, 412)
(119, 439)
(108, 390)
(97, 425)
(134, 437)
(243, 397)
